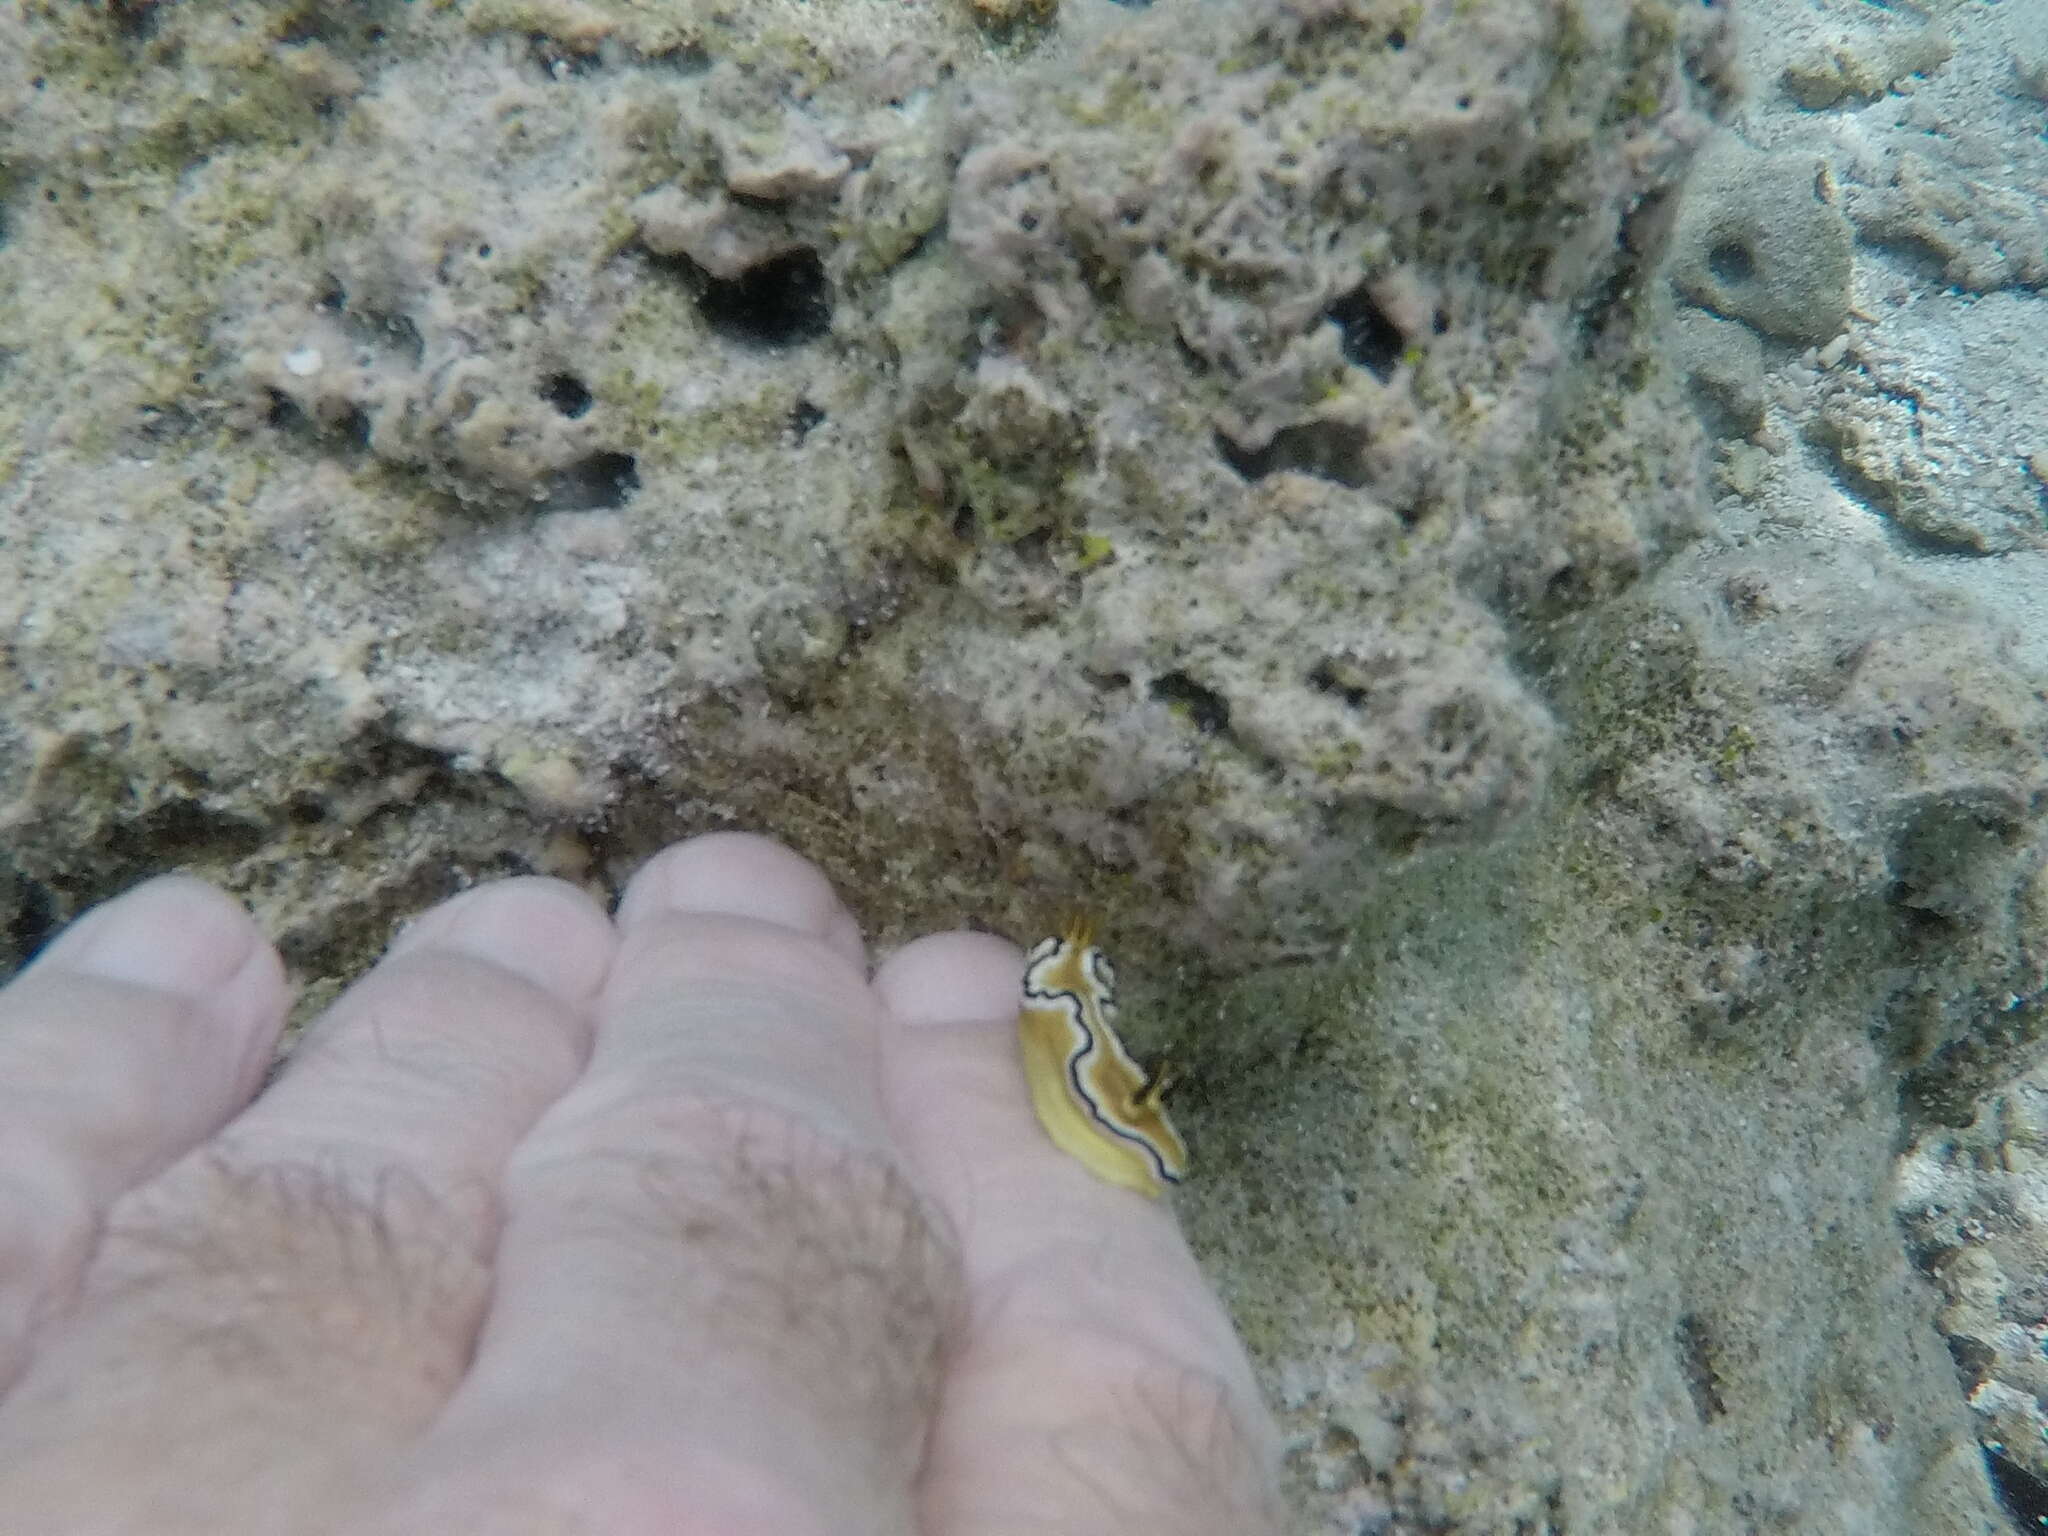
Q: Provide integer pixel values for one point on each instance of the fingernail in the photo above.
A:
(737, 874)
(541, 930)
(174, 933)
(953, 978)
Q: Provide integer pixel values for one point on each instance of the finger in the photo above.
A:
(431, 1068)
(267, 1318)
(1099, 1386)
(139, 1030)
(718, 1303)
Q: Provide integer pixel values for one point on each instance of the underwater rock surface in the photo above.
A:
(1113, 452)
(1232, 468)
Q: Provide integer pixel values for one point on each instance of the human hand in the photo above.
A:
(669, 1225)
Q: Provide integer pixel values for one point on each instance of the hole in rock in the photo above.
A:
(566, 393)
(1369, 338)
(1207, 708)
(1329, 450)
(1327, 677)
(136, 19)
(598, 482)
(283, 413)
(802, 417)
(559, 60)
(773, 303)
(1731, 261)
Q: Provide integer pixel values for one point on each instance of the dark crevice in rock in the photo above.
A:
(284, 414)
(399, 331)
(2024, 1495)
(1325, 678)
(1206, 708)
(597, 482)
(558, 61)
(136, 20)
(354, 429)
(183, 832)
(351, 431)
(567, 394)
(1369, 337)
(1329, 450)
(1696, 1351)
(775, 303)
(1974, 1360)
(803, 416)
(687, 60)
(1944, 1088)
(346, 24)
(33, 920)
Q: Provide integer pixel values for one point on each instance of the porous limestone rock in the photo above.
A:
(1905, 429)
(1725, 362)
(1115, 453)
(1973, 1201)
(1865, 67)
(1986, 233)
(1761, 239)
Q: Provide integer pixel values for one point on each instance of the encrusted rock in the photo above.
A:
(1760, 239)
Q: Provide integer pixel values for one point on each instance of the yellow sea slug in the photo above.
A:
(1092, 1099)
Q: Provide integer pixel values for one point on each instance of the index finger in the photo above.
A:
(1099, 1385)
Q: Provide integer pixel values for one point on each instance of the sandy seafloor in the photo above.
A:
(1663, 1149)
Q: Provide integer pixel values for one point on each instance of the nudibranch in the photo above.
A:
(1093, 1100)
